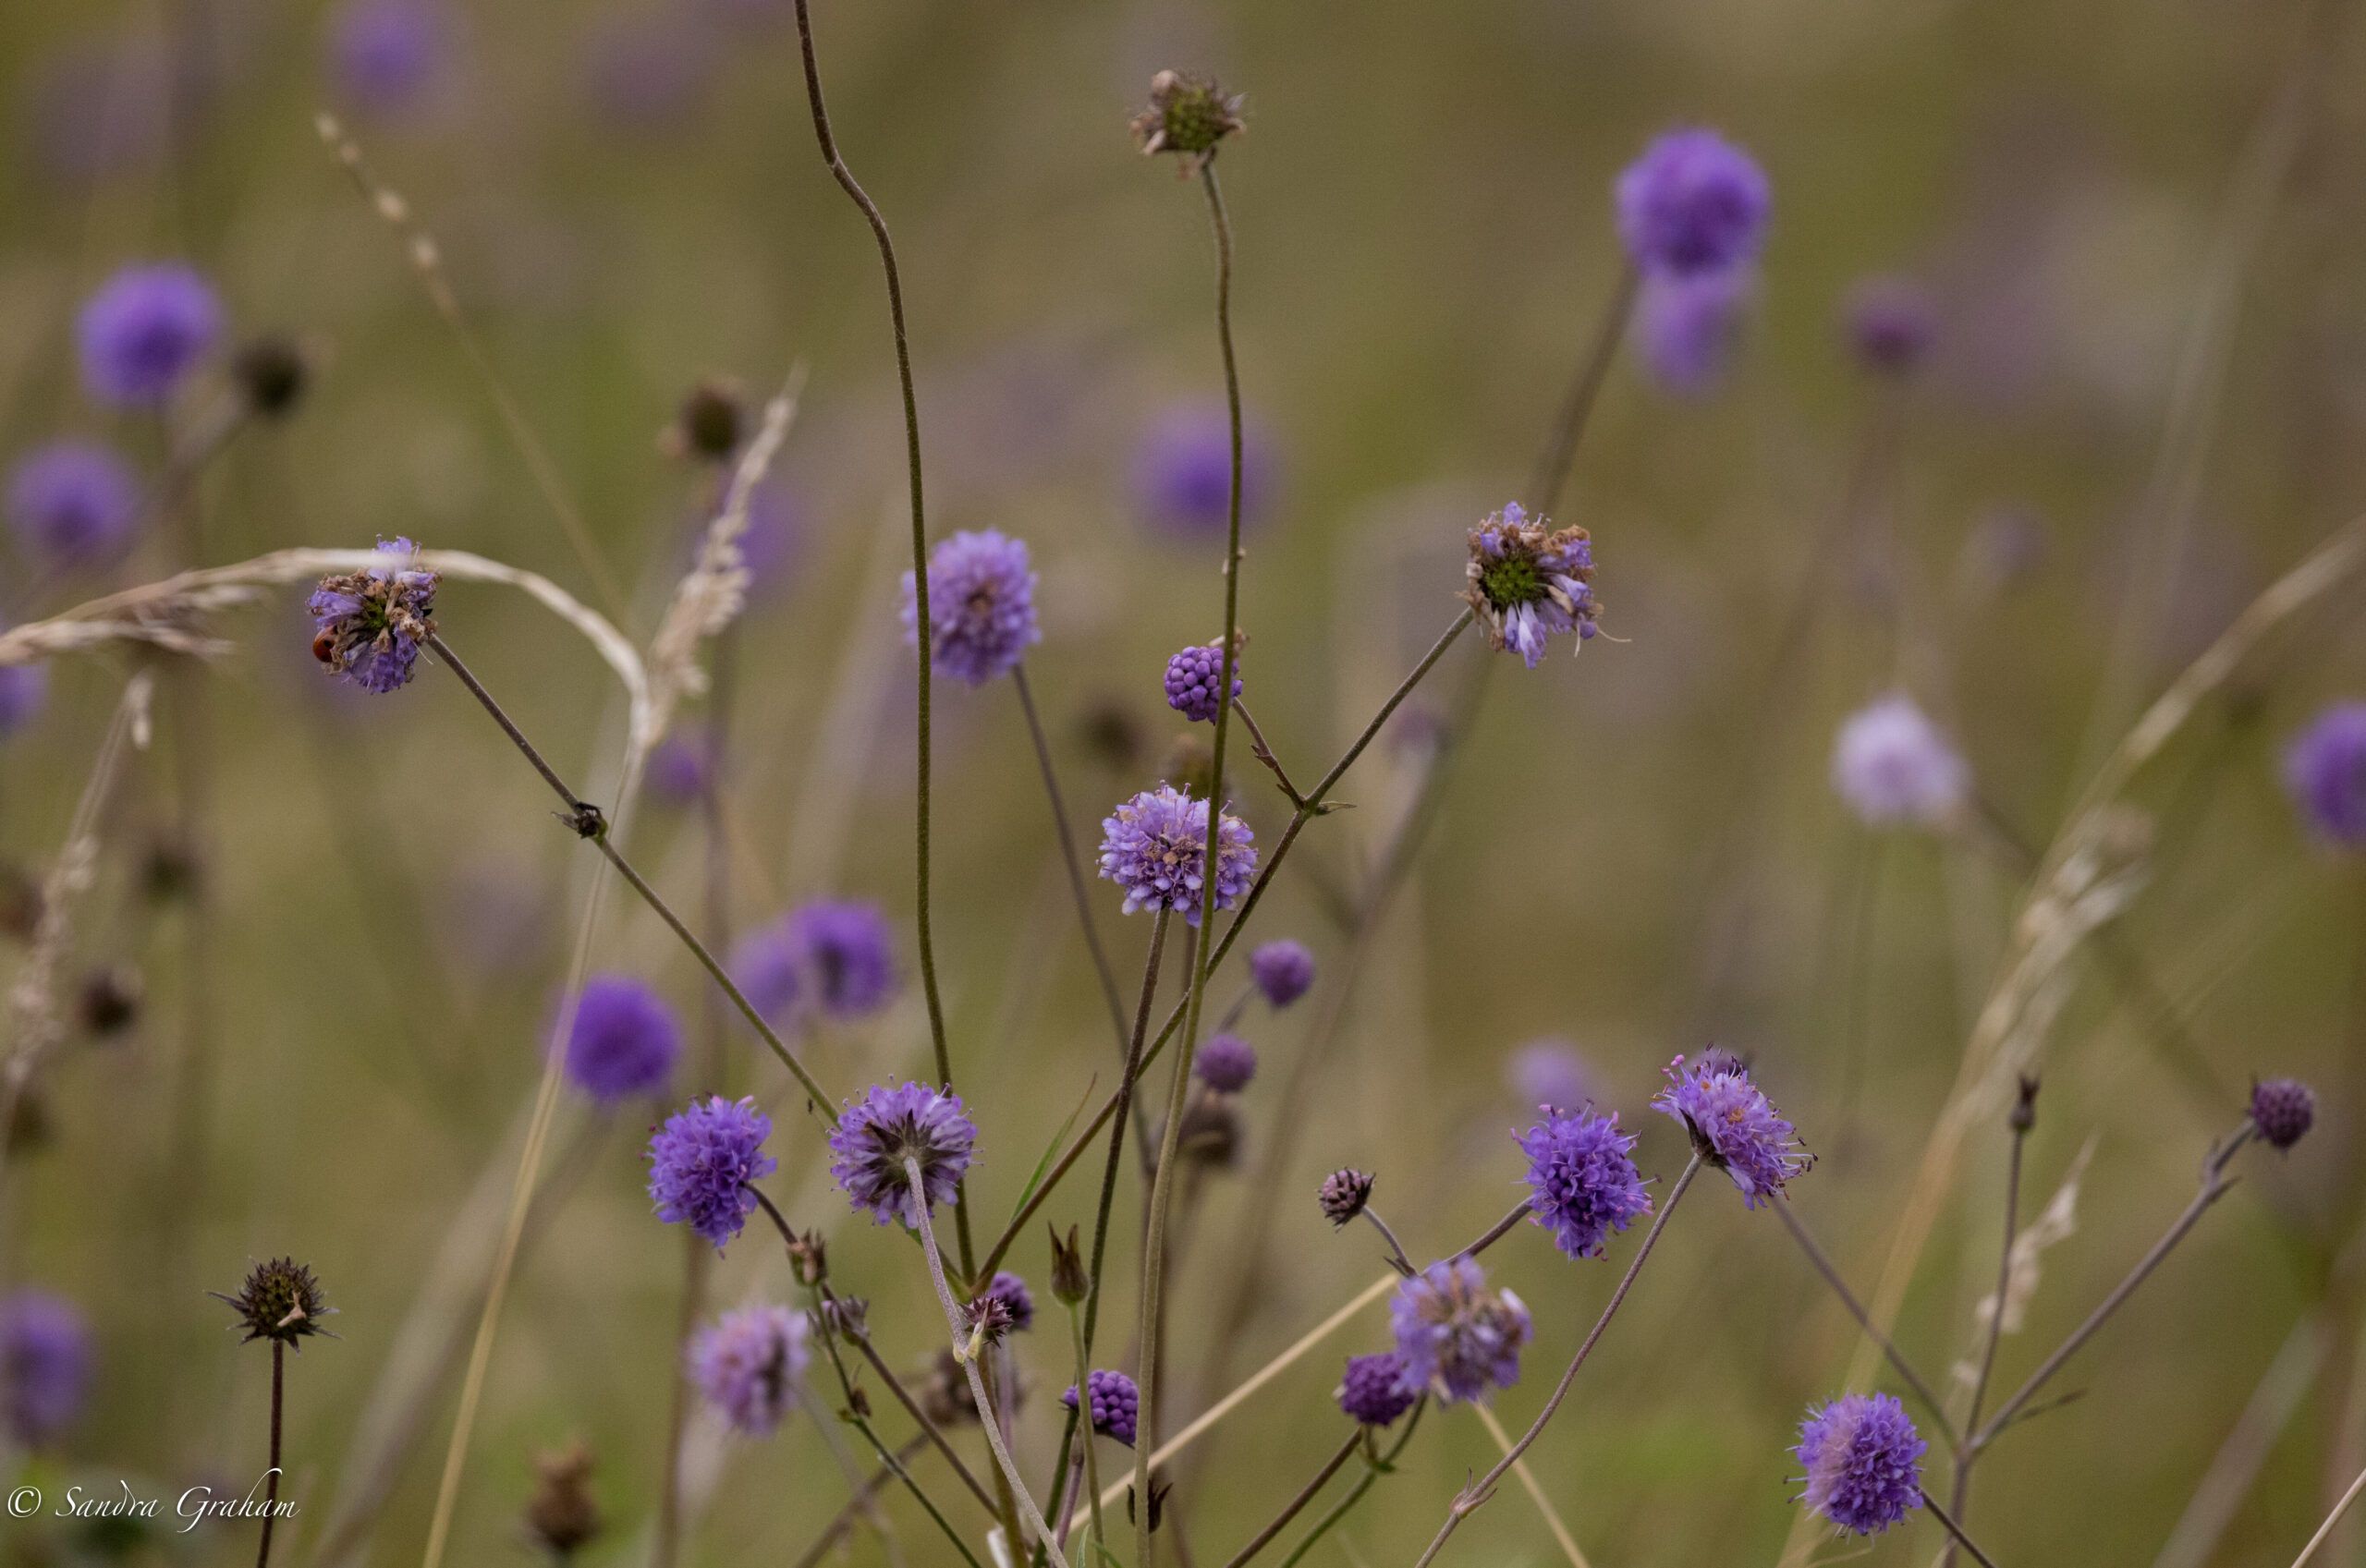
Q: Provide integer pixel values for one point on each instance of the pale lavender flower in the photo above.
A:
(73, 502)
(981, 606)
(143, 331)
(1155, 848)
(624, 1041)
(1550, 1072)
(702, 1160)
(387, 56)
(1115, 1403)
(1372, 1391)
(893, 1123)
(1283, 970)
(1894, 766)
(1733, 1125)
(1182, 477)
(2325, 769)
(1527, 581)
(1455, 1334)
(1693, 202)
(748, 1364)
(46, 1360)
(1581, 1173)
(1863, 1459)
(1225, 1064)
(367, 625)
(1688, 325)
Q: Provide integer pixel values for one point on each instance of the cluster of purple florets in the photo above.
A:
(836, 957)
(1862, 1462)
(893, 1124)
(981, 606)
(750, 1364)
(1115, 1403)
(1692, 213)
(1456, 1334)
(702, 1160)
(2325, 771)
(73, 502)
(1582, 1178)
(624, 1040)
(1193, 679)
(1154, 847)
(2283, 1110)
(46, 1363)
(1733, 1125)
(143, 333)
(368, 625)
(1373, 1391)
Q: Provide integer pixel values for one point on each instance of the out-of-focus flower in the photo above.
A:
(73, 502)
(1550, 1072)
(1115, 1403)
(1688, 325)
(846, 949)
(1018, 1301)
(648, 69)
(271, 373)
(1182, 472)
(894, 1122)
(1862, 1459)
(1455, 1334)
(1192, 677)
(1372, 1391)
(387, 56)
(560, 1513)
(624, 1040)
(1894, 766)
(23, 690)
(46, 1360)
(1693, 202)
(1581, 1173)
(1155, 848)
(1225, 1064)
(681, 769)
(2325, 769)
(1733, 1125)
(367, 625)
(981, 606)
(748, 1364)
(702, 1160)
(1527, 581)
(1891, 324)
(2283, 1110)
(143, 331)
(1283, 970)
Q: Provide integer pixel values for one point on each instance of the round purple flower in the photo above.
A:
(1863, 1459)
(2325, 769)
(387, 55)
(23, 690)
(1225, 1064)
(1182, 475)
(2283, 1110)
(702, 1160)
(367, 625)
(625, 1040)
(1693, 202)
(1550, 1072)
(1155, 846)
(1529, 581)
(1115, 1403)
(681, 770)
(1455, 1334)
(1582, 1173)
(144, 330)
(1688, 325)
(1893, 765)
(1018, 1301)
(1372, 1394)
(46, 1365)
(1283, 970)
(1891, 324)
(1192, 677)
(764, 967)
(845, 951)
(893, 1123)
(73, 502)
(748, 1365)
(1733, 1125)
(981, 606)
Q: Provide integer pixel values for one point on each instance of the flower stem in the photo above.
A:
(1959, 1496)
(1897, 1358)
(1092, 1459)
(1264, 751)
(853, 1417)
(1374, 1468)
(1297, 1505)
(1956, 1532)
(861, 1503)
(1560, 452)
(1403, 1264)
(271, 1485)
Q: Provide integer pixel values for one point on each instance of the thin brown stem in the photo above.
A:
(1959, 1496)
(271, 1483)
(1297, 1505)
(1955, 1532)
(1264, 753)
(1896, 1357)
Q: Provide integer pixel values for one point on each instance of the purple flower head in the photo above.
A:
(1283, 970)
(144, 330)
(1018, 1301)
(23, 690)
(1192, 677)
(1225, 1064)
(625, 1040)
(1732, 1124)
(764, 967)
(367, 625)
(1688, 325)
(1115, 1403)
(2325, 769)
(1455, 1334)
(681, 770)
(46, 1365)
(1863, 1459)
(1372, 1394)
(1693, 202)
(775, 539)
(386, 55)
(981, 606)
(1582, 1173)
(846, 952)
(1893, 765)
(1182, 475)
(702, 1160)
(1891, 324)
(1155, 848)
(894, 1121)
(73, 502)
(2283, 1110)
(1552, 1073)
(1528, 582)
(748, 1365)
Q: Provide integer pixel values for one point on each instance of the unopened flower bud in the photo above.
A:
(1344, 1192)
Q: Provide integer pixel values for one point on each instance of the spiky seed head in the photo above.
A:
(1186, 115)
(280, 1300)
(1344, 1195)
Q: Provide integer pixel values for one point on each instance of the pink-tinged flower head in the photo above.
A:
(1862, 1459)
(1894, 766)
(748, 1364)
(1529, 581)
(1732, 1124)
(894, 1122)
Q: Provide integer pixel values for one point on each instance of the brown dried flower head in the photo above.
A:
(1186, 115)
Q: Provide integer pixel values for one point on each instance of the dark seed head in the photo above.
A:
(1344, 1192)
(2283, 1110)
(280, 1300)
(270, 374)
(561, 1514)
(110, 1000)
(710, 424)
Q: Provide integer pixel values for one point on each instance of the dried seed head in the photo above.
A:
(989, 1320)
(280, 1300)
(711, 423)
(1344, 1192)
(944, 1393)
(808, 1259)
(1069, 1282)
(849, 1317)
(1186, 115)
(110, 1000)
(561, 1514)
(272, 374)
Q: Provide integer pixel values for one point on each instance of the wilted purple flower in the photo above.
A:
(367, 625)
(1529, 581)
(2283, 1110)
(1893, 765)
(846, 952)
(1183, 471)
(1891, 324)
(1863, 1459)
(1372, 1393)
(2325, 769)
(46, 1365)
(624, 1040)
(144, 329)
(894, 1121)
(23, 689)
(1115, 1403)
(1225, 1064)
(1018, 1301)
(73, 502)
(1733, 1125)
(1550, 1071)
(702, 1160)
(1454, 1333)
(1693, 202)
(386, 54)
(1192, 677)
(1688, 325)
(748, 1364)
(981, 606)
(1156, 846)
(1283, 970)
(1582, 1172)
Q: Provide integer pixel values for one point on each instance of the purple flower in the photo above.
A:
(2283, 1110)
(1863, 1459)
(1693, 202)
(1192, 677)
(748, 1365)
(1016, 1299)
(764, 967)
(1283, 970)
(1225, 1064)
(1155, 848)
(367, 625)
(1182, 475)
(73, 502)
(702, 1160)
(625, 1040)
(1890, 323)
(890, 1125)
(46, 1365)
(847, 951)
(1550, 1072)
(1372, 1393)
(23, 690)
(1115, 1403)
(1732, 1124)
(387, 55)
(2325, 769)
(1455, 1334)
(981, 606)
(1688, 325)
(1529, 581)
(681, 770)
(143, 331)
(1582, 1173)
(1893, 765)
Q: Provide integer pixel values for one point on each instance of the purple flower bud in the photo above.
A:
(1863, 1459)
(625, 1040)
(2325, 769)
(981, 606)
(748, 1365)
(45, 1366)
(2283, 1110)
(1891, 324)
(1225, 1064)
(702, 1160)
(387, 56)
(893, 1123)
(1018, 1301)
(1283, 970)
(73, 502)
(681, 770)
(1192, 677)
(1115, 1403)
(1693, 202)
(1344, 1195)
(1372, 1394)
(143, 331)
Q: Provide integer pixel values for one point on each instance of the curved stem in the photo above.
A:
(1956, 1532)
(1959, 1496)
(1297, 1505)
(1824, 1266)
(1560, 452)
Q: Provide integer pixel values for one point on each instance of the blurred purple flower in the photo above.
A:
(46, 1359)
(1732, 1124)
(775, 538)
(840, 953)
(24, 688)
(1283, 970)
(1893, 765)
(73, 502)
(981, 606)
(648, 69)
(625, 1040)
(387, 56)
(1582, 1178)
(1863, 1459)
(1183, 471)
(748, 1365)
(1550, 1072)
(1891, 324)
(1455, 1334)
(1688, 325)
(1156, 844)
(702, 1160)
(143, 331)
(1693, 203)
(894, 1121)
(681, 769)
(2325, 769)
(1225, 1064)
(1372, 1391)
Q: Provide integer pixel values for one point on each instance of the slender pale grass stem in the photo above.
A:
(1297, 1505)
(1474, 1496)
(1960, 1497)
(271, 1483)
(1560, 452)
(1376, 1466)
(1897, 1358)
(1955, 1532)
(1524, 1474)
(2333, 1522)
